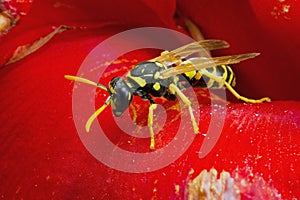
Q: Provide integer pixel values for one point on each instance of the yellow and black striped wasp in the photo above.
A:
(164, 75)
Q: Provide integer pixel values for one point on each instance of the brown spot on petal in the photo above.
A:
(25, 50)
(6, 22)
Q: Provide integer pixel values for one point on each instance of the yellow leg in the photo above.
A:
(245, 99)
(237, 95)
(150, 124)
(186, 101)
(133, 113)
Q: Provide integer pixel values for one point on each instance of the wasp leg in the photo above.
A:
(133, 113)
(175, 89)
(152, 107)
(230, 88)
(245, 99)
(150, 124)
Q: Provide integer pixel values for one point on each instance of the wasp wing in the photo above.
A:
(186, 50)
(203, 62)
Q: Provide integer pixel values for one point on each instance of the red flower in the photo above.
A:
(42, 156)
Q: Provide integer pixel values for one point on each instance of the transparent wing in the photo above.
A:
(203, 62)
(186, 50)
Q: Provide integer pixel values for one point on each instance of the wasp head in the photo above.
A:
(121, 95)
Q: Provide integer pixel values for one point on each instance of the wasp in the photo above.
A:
(164, 76)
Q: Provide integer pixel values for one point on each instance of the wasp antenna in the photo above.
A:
(95, 115)
(83, 80)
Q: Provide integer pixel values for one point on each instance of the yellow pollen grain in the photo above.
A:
(177, 189)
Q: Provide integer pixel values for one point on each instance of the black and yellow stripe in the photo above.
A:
(201, 79)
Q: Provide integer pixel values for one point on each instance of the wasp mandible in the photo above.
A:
(164, 76)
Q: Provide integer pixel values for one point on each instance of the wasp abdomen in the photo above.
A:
(200, 79)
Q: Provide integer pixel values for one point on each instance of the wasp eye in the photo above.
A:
(114, 81)
(113, 84)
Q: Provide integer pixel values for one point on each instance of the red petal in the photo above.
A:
(42, 157)
(251, 27)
